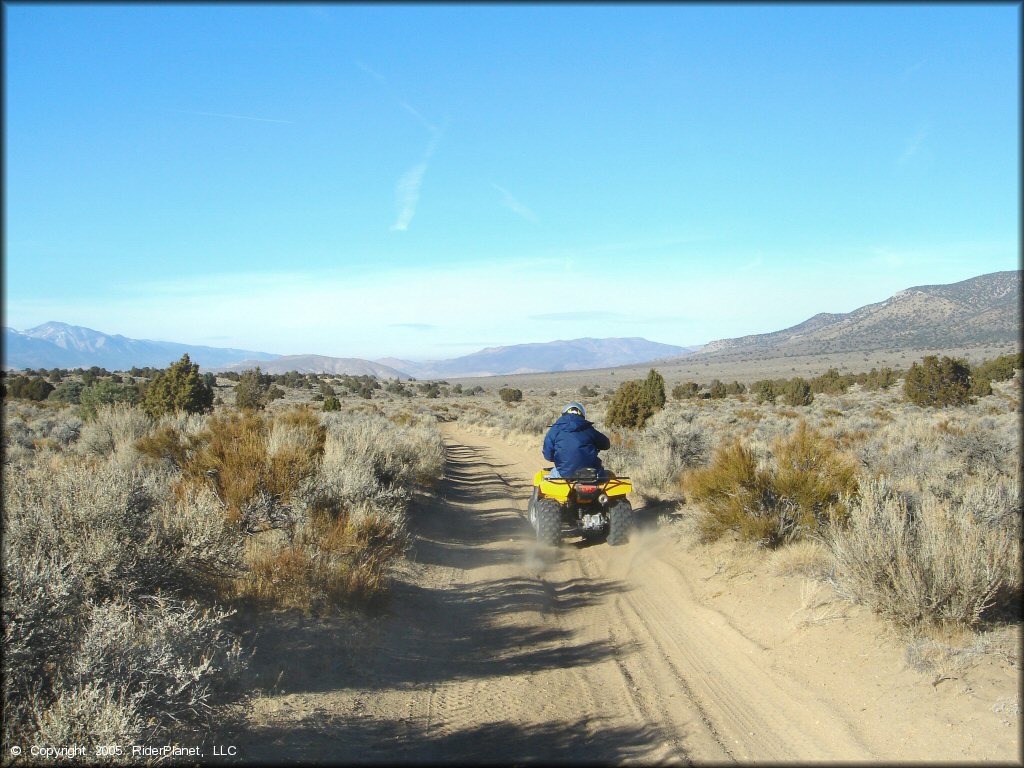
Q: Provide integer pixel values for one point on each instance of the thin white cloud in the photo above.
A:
(513, 204)
(913, 146)
(407, 191)
(395, 97)
(906, 73)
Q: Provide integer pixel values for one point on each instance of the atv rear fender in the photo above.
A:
(558, 488)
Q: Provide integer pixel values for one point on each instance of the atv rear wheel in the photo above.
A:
(620, 522)
(531, 507)
(549, 522)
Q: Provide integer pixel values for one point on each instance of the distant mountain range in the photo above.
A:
(574, 355)
(981, 310)
(59, 345)
(353, 366)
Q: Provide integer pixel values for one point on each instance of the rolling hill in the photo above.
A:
(351, 366)
(572, 355)
(59, 345)
(981, 310)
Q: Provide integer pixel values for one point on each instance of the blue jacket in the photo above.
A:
(572, 443)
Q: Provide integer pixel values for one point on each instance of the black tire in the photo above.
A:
(620, 522)
(531, 505)
(549, 522)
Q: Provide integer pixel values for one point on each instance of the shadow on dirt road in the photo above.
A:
(328, 739)
(471, 608)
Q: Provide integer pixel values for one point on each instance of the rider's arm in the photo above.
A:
(601, 441)
(549, 446)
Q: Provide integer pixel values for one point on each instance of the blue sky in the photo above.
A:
(424, 181)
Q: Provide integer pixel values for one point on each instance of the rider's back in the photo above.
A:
(572, 443)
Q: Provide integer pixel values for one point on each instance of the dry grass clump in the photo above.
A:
(772, 501)
(114, 431)
(382, 451)
(120, 538)
(85, 544)
(321, 497)
(927, 560)
(325, 563)
(655, 457)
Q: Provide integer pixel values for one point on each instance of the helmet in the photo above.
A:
(574, 407)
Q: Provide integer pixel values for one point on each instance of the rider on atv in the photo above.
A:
(572, 443)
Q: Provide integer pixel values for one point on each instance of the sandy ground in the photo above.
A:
(492, 650)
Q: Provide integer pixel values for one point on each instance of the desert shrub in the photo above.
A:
(252, 390)
(980, 387)
(41, 603)
(340, 551)
(31, 427)
(998, 369)
(586, 391)
(35, 388)
(878, 379)
(256, 469)
(938, 382)
(663, 450)
(430, 389)
(105, 392)
(331, 404)
(831, 382)
(682, 391)
(165, 443)
(83, 544)
(91, 716)
(510, 394)
(812, 472)
(764, 391)
(797, 392)
(733, 493)
(394, 387)
(627, 407)
(654, 390)
(634, 402)
(736, 388)
(179, 388)
(295, 445)
(927, 560)
(381, 452)
(164, 653)
(771, 503)
(332, 560)
(717, 390)
(138, 670)
(67, 392)
(114, 428)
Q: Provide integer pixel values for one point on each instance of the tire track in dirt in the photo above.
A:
(495, 650)
(697, 674)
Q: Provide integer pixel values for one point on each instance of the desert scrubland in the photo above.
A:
(147, 557)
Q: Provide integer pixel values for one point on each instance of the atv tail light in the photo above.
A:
(586, 488)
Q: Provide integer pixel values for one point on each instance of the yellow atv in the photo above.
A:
(584, 505)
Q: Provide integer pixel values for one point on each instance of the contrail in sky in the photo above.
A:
(407, 192)
(394, 97)
(514, 205)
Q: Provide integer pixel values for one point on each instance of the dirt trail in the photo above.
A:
(493, 650)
